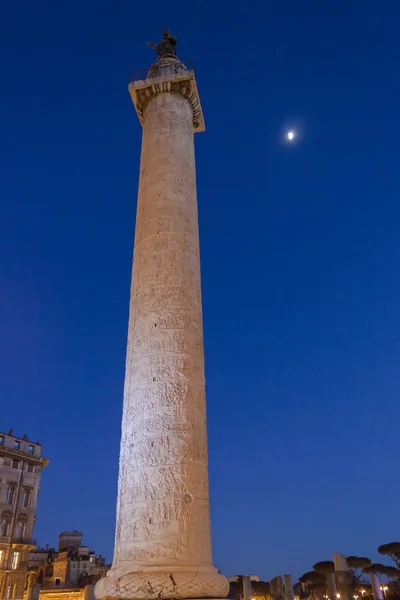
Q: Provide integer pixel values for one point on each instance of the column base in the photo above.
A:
(169, 583)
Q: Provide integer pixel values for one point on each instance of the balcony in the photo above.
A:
(4, 539)
(23, 541)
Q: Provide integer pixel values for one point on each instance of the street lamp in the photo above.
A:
(384, 589)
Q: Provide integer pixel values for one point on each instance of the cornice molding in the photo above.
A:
(25, 456)
(183, 84)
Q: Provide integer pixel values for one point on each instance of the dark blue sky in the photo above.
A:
(299, 251)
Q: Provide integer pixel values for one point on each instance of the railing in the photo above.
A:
(4, 539)
(24, 541)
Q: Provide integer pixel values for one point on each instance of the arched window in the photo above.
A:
(20, 527)
(20, 533)
(5, 522)
(26, 494)
(15, 560)
(10, 493)
(4, 527)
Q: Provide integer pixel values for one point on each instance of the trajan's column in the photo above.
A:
(162, 542)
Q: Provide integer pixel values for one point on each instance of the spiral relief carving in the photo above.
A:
(162, 543)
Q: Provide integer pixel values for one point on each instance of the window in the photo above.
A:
(5, 523)
(16, 445)
(1, 558)
(29, 468)
(31, 449)
(57, 582)
(4, 527)
(1, 440)
(26, 492)
(20, 529)
(15, 560)
(10, 494)
(15, 464)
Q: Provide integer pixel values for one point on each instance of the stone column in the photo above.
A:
(343, 577)
(289, 593)
(162, 542)
(331, 585)
(276, 588)
(33, 592)
(89, 592)
(376, 586)
(247, 590)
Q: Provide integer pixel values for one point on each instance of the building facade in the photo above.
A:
(73, 566)
(21, 464)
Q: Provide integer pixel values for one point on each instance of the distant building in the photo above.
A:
(71, 567)
(260, 590)
(21, 464)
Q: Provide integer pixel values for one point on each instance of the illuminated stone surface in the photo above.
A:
(162, 542)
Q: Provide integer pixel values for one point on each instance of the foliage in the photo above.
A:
(313, 581)
(312, 577)
(379, 569)
(375, 568)
(393, 550)
(325, 566)
(261, 588)
(358, 562)
(391, 572)
(356, 565)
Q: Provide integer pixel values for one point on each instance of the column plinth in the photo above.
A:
(162, 543)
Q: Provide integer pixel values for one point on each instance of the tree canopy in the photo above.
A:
(393, 550)
(312, 577)
(358, 562)
(325, 566)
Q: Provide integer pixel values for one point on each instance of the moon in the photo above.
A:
(291, 133)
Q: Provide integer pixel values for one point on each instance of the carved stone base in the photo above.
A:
(165, 583)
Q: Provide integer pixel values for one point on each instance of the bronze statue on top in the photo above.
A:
(167, 46)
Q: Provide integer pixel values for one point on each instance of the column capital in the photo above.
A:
(173, 78)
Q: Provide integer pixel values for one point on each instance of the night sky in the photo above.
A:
(299, 255)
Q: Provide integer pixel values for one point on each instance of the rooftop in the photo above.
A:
(24, 438)
(20, 447)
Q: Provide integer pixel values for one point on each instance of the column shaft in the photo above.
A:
(163, 510)
(162, 541)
